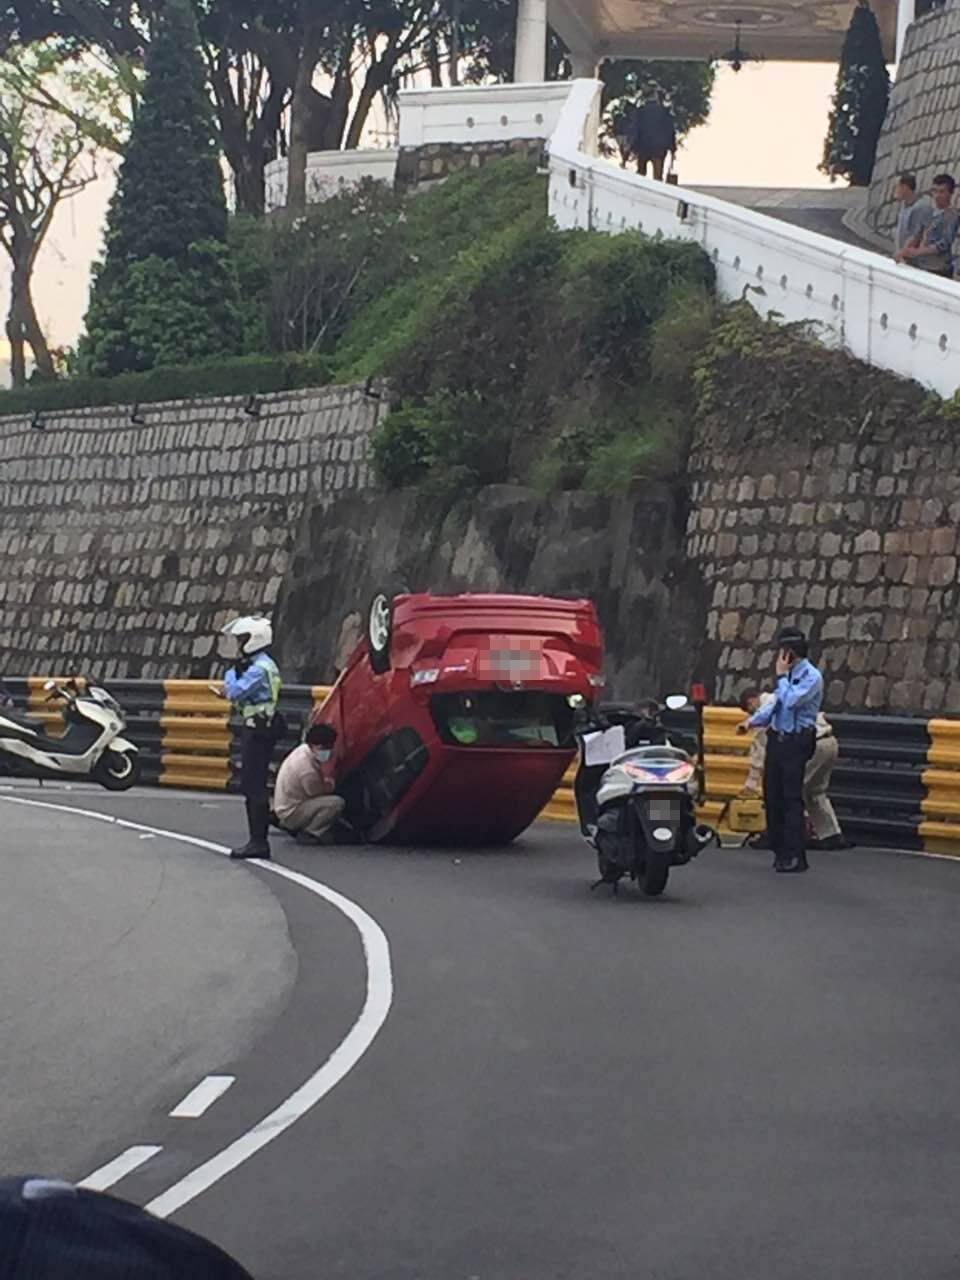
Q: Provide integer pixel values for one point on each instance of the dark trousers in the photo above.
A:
(786, 763)
(256, 753)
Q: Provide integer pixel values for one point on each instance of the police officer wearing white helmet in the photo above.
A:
(253, 687)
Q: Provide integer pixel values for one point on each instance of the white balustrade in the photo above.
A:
(892, 316)
(480, 113)
(329, 172)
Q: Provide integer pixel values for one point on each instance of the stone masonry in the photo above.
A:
(124, 547)
(921, 133)
(423, 166)
(855, 541)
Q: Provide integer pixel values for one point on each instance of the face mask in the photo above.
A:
(321, 754)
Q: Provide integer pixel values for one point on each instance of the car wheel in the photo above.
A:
(380, 631)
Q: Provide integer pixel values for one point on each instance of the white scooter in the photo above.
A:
(90, 750)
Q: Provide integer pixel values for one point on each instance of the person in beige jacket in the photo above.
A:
(303, 798)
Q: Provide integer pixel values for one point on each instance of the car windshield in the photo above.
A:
(503, 719)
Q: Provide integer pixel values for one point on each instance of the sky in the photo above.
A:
(766, 129)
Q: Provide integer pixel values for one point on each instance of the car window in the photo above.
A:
(497, 718)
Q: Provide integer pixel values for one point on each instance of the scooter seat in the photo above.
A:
(25, 722)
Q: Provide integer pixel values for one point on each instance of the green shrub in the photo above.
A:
(453, 440)
(239, 376)
(163, 312)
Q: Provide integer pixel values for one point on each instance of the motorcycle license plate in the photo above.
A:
(663, 808)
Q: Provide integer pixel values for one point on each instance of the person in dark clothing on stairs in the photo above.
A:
(653, 135)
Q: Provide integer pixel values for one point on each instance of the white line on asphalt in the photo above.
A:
(111, 1173)
(201, 1099)
(344, 1058)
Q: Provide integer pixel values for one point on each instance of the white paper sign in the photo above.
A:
(604, 748)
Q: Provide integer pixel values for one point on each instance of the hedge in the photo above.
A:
(238, 376)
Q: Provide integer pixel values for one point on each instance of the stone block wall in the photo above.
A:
(123, 548)
(921, 133)
(433, 162)
(856, 541)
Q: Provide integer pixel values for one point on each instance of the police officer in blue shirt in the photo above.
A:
(790, 718)
(253, 687)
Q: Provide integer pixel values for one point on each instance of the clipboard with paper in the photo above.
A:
(604, 747)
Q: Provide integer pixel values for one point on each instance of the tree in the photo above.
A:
(686, 86)
(167, 224)
(859, 102)
(45, 158)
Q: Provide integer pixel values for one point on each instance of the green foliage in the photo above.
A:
(530, 352)
(244, 376)
(859, 101)
(643, 432)
(454, 440)
(610, 292)
(308, 279)
(440, 244)
(163, 312)
(167, 223)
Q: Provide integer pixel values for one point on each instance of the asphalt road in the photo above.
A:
(754, 1077)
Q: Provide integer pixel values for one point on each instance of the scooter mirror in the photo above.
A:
(50, 684)
(576, 700)
(676, 702)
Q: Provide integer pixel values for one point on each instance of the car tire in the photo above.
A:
(380, 631)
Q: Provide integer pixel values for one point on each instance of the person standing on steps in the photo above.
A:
(790, 718)
(253, 686)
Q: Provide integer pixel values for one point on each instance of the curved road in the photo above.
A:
(753, 1077)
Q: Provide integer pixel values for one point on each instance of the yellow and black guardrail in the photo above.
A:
(896, 785)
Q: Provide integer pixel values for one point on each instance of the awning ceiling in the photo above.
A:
(789, 30)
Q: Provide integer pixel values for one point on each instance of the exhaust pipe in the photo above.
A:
(704, 835)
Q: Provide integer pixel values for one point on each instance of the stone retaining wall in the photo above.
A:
(433, 162)
(125, 547)
(855, 541)
(921, 133)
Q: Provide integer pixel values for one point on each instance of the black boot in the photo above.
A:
(258, 820)
(792, 865)
(252, 849)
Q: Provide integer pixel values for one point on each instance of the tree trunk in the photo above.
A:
(339, 105)
(300, 115)
(24, 317)
(18, 363)
(433, 61)
(377, 78)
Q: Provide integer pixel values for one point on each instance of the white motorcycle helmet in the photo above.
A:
(251, 634)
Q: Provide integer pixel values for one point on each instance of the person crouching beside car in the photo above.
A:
(303, 798)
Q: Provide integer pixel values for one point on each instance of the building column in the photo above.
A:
(531, 62)
(586, 66)
(906, 12)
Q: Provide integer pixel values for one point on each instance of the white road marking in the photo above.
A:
(201, 1099)
(124, 1164)
(344, 1058)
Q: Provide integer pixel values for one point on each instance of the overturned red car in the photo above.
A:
(455, 714)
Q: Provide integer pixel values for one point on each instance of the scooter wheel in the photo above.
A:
(655, 875)
(117, 770)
